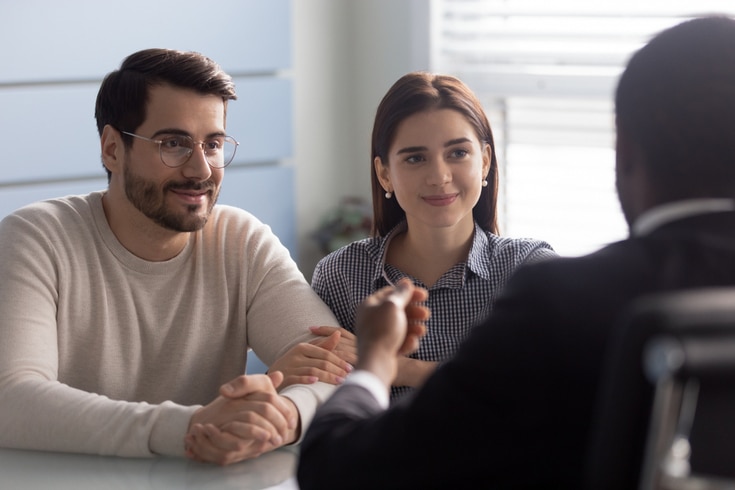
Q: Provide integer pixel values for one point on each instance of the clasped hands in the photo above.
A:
(250, 418)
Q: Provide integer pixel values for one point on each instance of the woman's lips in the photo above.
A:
(440, 200)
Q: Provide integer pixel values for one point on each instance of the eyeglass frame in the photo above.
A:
(191, 150)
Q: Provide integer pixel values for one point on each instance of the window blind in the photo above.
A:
(546, 73)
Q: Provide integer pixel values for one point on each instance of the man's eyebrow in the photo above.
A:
(181, 132)
(171, 131)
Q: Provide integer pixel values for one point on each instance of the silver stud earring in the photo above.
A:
(388, 194)
(484, 182)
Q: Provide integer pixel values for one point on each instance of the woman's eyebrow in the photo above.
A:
(412, 149)
(456, 141)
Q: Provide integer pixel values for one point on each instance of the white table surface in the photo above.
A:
(37, 470)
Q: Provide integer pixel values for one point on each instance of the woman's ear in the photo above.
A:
(112, 148)
(381, 171)
(487, 157)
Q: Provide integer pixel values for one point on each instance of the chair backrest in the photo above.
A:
(666, 408)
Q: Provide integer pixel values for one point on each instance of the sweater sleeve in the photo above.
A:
(281, 308)
(37, 411)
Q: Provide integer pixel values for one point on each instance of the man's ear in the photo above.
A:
(635, 192)
(112, 148)
(625, 152)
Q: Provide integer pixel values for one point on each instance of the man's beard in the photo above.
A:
(149, 200)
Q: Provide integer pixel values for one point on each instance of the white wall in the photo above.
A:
(347, 53)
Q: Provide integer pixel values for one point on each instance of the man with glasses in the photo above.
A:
(124, 311)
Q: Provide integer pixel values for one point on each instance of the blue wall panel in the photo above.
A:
(84, 39)
(49, 132)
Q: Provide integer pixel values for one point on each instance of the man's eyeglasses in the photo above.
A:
(176, 149)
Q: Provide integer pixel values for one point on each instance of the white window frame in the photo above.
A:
(546, 73)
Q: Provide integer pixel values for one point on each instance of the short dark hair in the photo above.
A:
(676, 100)
(123, 95)
(417, 92)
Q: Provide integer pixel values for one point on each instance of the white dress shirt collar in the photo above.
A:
(665, 213)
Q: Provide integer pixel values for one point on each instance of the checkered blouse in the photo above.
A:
(459, 299)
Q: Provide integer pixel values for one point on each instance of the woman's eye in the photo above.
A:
(459, 153)
(414, 159)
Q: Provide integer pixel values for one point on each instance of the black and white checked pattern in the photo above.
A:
(461, 297)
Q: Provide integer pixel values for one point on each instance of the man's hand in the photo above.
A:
(324, 359)
(389, 324)
(413, 372)
(246, 420)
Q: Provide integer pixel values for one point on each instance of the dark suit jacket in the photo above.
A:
(514, 407)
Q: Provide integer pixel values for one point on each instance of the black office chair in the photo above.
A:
(666, 410)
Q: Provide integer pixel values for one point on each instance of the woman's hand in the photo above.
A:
(321, 359)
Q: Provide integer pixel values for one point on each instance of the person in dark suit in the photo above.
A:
(515, 406)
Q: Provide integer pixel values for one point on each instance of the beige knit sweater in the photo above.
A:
(103, 352)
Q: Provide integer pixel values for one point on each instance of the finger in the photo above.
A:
(349, 355)
(246, 384)
(245, 431)
(236, 436)
(324, 359)
(215, 446)
(346, 349)
(412, 340)
(286, 409)
(346, 334)
(330, 342)
(419, 294)
(379, 296)
(403, 293)
(276, 378)
(323, 330)
(233, 435)
(310, 375)
(416, 329)
(417, 313)
(410, 344)
(191, 447)
(271, 414)
(294, 378)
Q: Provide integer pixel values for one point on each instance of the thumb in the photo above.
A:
(331, 342)
(402, 294)
(245, 384)
(276, 378)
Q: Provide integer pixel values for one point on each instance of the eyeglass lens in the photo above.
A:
(177, 149)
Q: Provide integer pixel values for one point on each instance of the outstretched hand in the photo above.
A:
(389, 324)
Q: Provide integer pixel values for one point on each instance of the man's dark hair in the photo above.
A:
(676, 100)
(123, 95)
